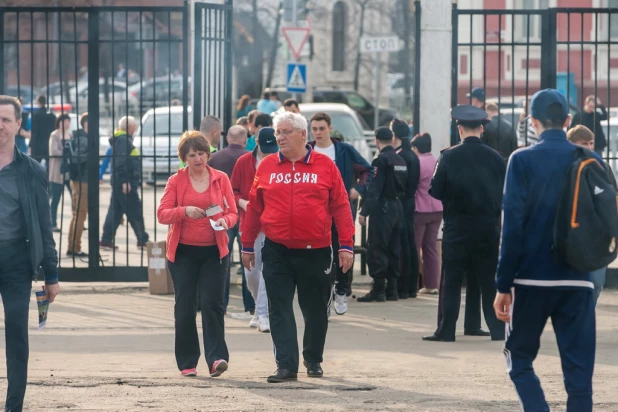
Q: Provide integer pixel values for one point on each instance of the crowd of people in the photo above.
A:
(266, 182)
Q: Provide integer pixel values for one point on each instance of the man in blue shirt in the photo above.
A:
(266, 105)
(532, 285)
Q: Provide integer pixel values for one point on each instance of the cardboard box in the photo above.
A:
(159, 279)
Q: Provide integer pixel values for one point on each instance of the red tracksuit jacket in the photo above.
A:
(242, 180)
(295, 204)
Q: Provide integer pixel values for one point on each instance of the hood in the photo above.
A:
(117, 134)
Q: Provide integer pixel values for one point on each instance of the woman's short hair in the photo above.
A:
(83, 119)
(195, 140)
(61, 119)
(422, 142)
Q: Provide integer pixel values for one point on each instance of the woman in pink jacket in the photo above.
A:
(198, 204)
(428, 216)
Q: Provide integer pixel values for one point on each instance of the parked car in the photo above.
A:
(351, 99)
(344, 120)
(157, 140)
(118, 98)
(24, 91)
(158, 92)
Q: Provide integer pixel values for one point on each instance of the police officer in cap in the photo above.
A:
(468, 179)
(383, 205)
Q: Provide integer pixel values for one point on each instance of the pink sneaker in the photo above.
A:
(218, 368)
(189, 372)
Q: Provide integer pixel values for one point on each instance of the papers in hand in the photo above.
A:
(215, 226)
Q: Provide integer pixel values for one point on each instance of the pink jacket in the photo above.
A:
(170, 213)
(424, 202)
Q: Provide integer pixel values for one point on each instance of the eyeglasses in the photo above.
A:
(284, 133)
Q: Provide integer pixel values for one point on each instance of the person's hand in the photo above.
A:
(599, 103)
(362, 220)
(522, 116)
(52, 291)
(502, 306)
(354, 195)
(346, 260)
(248, 260)
(221, 222)
(126, 188)
(194, 212)
(243, 204)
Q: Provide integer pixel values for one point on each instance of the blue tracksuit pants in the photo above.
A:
(573, 319)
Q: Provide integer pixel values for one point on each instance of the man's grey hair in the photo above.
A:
(125, 122)
(236, 134)
(209, 123)
(298, 121)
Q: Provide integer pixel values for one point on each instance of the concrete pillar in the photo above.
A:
(435, 71)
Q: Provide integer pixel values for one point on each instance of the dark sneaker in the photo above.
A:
(77, 254)
(282, 375)
(107, 245)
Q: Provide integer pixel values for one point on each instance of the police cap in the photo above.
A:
(469, 116)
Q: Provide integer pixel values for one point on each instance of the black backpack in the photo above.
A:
(586, 226)
(70, 162)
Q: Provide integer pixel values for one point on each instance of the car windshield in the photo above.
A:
(162, 125)
(344, 123)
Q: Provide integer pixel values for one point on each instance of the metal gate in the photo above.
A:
(111, 62)
(511, 54)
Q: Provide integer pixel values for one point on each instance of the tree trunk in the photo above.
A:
(275, 47)
(358, 52)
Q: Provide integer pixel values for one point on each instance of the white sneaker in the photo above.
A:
(264, 324)
(254, 322)
(341, 304)
(426, 291)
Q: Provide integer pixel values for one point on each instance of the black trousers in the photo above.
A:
(477, 255)
(472, 317)
(384, 240)
(199, 271)
(15, 288)
(121, 204)
(311, 272)
(409, 256)
(343, 280)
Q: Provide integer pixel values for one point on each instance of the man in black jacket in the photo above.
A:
(78, 174)
(43, 124)
(499, 133)
(408, 282)
(592, 115)
(126, 179)
(26, 245)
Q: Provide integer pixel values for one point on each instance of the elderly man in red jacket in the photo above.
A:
(295, 196)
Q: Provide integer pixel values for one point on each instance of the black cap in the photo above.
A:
(400, 129)
(384, 134)
(471, 116)
(267, 140)
(477, 92)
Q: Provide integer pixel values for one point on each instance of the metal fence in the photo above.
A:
(513, 53)
(111, 62)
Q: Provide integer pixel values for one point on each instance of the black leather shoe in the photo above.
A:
(282, 375)
(314, 370)
(403, 295)
(476, 332)
(372, 297)
(392, 297)
(434, 338)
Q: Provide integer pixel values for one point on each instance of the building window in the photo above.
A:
(613, 20)
(534, 21)
(340, 24)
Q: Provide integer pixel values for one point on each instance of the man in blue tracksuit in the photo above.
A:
(532, 285)
(356, 173)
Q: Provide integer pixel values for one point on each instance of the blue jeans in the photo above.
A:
(15, 288)
(56, 195)
(598, 278)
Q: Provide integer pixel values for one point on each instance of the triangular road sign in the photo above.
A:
(296, 37)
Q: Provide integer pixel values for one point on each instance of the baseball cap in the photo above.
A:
(477, 92)
(267, 140)
(543, 100)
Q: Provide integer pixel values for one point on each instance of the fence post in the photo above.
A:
(229, 38)
(455, 69)
(1, 51)
(416, 118)
(548, 49)
(185, 67)
(197, 65)
(93, 138)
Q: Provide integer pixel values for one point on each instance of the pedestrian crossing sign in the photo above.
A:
(297, 78)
